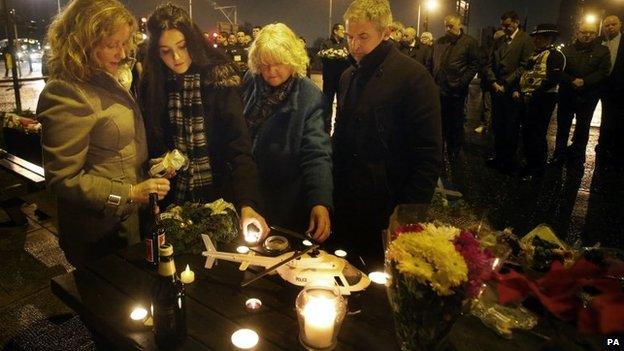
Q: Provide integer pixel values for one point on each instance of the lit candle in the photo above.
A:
(245, 339)
(251, 233)
(378, 277)
(187, 276)
(138, 314)
(242, 249)
(253, 304)
(340, 253)
(307, 243)
(319, 318)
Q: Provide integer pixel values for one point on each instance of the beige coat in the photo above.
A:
(94, 148)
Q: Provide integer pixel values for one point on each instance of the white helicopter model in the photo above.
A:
(305, 268)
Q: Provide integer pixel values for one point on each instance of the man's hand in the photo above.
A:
(578, 83)
(320, 225)
(498, 88)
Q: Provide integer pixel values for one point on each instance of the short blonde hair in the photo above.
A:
(75, 33)
(276, 43)
(376, 11)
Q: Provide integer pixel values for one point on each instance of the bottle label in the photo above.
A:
(151, 251)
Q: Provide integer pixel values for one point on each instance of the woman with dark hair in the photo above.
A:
(191, 102)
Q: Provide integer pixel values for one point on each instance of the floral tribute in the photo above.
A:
(433, 269)
(444, 258)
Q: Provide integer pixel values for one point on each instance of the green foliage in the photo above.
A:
(185, 224)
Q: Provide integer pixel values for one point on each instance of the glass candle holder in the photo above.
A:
(320, 312)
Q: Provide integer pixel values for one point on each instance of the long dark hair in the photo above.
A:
(153, 95)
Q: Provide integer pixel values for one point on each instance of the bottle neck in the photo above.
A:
(166, 266)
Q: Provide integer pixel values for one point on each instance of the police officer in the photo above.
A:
(538, 92)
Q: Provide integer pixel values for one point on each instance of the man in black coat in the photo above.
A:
(412, 47)
(511, 53)
(334, 56)
(456, 60)
(611, 140)
(586, 70)
(387, 141)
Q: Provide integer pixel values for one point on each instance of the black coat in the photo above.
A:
(591, 63)
(388, 147)
(614, 87)
(455, 63)
(507, 61)
(235, 175)
(419, 52)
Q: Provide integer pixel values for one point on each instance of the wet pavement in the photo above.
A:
(582, 204)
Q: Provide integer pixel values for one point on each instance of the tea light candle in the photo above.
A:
(138, 314)
(307, 243)
(245, 339)
(253, 304)
(242, 249)
(319, 318)
(378, 277)
(187, 276)
(340, 253)
(251, 234)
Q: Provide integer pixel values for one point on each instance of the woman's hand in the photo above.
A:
(320, 225)
(170, 172)
(140, 192)
(248, 217)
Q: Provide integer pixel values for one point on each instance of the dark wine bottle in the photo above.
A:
(156, 235)
(168, 303)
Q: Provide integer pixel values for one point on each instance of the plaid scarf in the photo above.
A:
(186, 114)
(269, 100)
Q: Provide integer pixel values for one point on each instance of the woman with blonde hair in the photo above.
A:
(285, 113)
(93, 136)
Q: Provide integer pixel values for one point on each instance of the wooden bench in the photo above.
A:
(9, 195)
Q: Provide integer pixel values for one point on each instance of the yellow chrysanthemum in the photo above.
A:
(429, 257)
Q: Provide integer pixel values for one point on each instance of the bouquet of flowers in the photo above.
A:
(24, 124)
(335, 54)
(185, 224)
(433, 269)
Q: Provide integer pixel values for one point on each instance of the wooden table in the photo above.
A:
(106, 291)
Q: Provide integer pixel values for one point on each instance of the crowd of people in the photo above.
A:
(256, 129)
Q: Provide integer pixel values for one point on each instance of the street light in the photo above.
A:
(591, 18)
(430, 5)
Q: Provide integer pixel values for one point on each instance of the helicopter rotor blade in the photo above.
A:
(293, 233)
(296, 255)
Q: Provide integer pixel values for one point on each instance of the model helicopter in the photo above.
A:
(296, 267)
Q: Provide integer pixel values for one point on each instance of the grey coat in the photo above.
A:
(94, 147)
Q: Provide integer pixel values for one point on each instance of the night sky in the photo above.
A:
(309, 18)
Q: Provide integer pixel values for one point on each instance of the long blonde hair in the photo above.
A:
(279, 44)
(75, 33)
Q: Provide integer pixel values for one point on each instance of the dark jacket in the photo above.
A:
(419, 52)
(614, 87)
(456, 60)
(333, 66)
(234, 172)
(507, 61)
(293, 153)
(589, 62)
(387, 141)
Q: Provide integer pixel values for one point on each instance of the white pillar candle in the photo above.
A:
(187, 276)
(319, 318)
